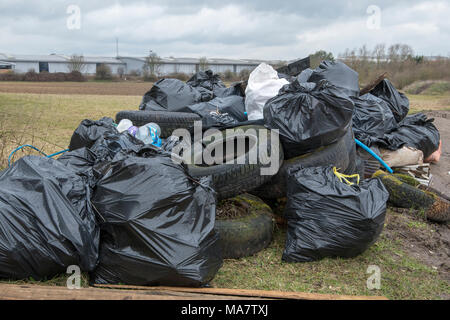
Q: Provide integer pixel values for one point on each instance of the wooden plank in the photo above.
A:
(271, 294)
(39, 292)
(373, 84)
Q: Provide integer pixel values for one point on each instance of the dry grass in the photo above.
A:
(401, 73)
(428, 102)
(47, 121)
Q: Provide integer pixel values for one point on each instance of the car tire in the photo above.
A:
(404, 195)
(246, 235)
(232, 179)
(336, 154)
(167, 121)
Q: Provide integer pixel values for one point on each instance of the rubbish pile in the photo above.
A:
(133, 202)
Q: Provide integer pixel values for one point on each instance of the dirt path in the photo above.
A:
(425, 241)
(441, 170)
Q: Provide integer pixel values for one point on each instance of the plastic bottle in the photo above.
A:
(155, 126)
(123, 125)
(133, 130)
(149, 134)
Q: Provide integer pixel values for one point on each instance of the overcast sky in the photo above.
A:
(264, 29)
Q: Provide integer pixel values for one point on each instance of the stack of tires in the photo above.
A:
(242, 183)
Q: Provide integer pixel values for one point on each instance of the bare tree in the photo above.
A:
(394, 52)
(406, 52)
(363, 53)
(203, 64)
(379, 52)
(152, 65)
(76, 63)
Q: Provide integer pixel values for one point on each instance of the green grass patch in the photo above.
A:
(438, 88)
(402, 277)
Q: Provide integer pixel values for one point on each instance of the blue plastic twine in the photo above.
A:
(373, 154)
(34, 148)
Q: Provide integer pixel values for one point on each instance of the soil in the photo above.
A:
(428, 242)
(231, 209)
(441, 170)
(125, 88)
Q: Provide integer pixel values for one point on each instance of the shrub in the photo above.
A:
(179, 75)
(103, 72)
(31, 75)
(11, 76)
(135, 73)
(150, 77)
(75, 76)
(244, 74)
(43, 76)
(229, 75)
(46, 76)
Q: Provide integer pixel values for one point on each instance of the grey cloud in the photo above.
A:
(263, 29)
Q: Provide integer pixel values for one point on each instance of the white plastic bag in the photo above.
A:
(263, 84)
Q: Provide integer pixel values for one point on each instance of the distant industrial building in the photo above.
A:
(56, 63)
(61, 63)
(190, 65)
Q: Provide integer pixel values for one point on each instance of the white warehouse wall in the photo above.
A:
(130, 64)
(22, 67)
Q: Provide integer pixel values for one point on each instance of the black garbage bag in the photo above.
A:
(46, 220)
(173, 95)
(416, 131)
(233, 90)
(308, 116)
(82, 162)
(372, 118)
(329, 218)
(111, 143)
(218, 120)
(285, 76)
(397, 101)
(169, 143)
(89, 131)
(304, 75)
(233, 106)
(210, 83)
(158, 224)
(206, 79)
(338, 74)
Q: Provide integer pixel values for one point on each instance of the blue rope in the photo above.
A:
(373, 154)
(34, 148)
(57, 153)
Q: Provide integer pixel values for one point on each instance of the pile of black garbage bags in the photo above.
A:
(204, 94)
(329, 215)
(381, 119)
(122, 211)
(126, 213)
(316, 108)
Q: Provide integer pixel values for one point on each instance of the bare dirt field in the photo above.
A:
(122, 88)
